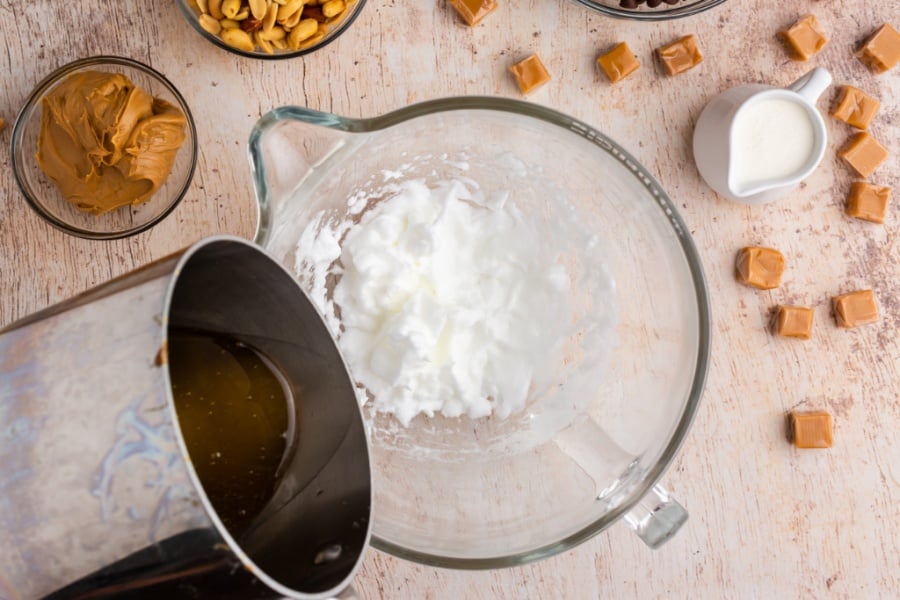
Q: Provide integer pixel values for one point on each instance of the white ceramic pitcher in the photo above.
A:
(719, 159)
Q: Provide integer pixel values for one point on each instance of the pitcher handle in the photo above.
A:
(811, 85)
(657, 517)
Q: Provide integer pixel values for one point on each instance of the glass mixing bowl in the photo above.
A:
(585, 451)
(663, 12)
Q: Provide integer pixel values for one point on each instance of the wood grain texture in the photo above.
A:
(767, 521)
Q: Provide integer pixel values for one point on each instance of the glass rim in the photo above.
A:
(656, 14)
(25, 113)
(662, 202)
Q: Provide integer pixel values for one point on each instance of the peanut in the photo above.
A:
(238, 38)
(289, 9)
(215, 9)
(292, 21)
(276, 33)
(258, 8)
(314, 39)
(230, 8)
(269, 19)
(333, 8)
(262, 42)
(303, 31)
(210, 24)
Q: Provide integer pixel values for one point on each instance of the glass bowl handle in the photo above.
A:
(288, 146)
(657, 517)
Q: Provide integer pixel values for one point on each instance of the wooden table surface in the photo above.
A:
(767, 521)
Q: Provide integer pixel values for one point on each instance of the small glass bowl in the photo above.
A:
(44, 196)
(663, 12)
(191, 12)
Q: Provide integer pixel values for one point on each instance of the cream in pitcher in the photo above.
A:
(771, 139)
(754, 143)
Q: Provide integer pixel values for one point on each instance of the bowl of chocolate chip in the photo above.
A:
(270, 29)
(650, 10)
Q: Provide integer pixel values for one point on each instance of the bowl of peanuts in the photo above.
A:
(650, 10)
(270, 29)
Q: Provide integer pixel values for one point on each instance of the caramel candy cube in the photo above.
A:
(618, 63)
(530, 74)
(681, 55)
(805, 38)
(855, 309)
(794, 321)
(473, 11)
(881, 50)
(868, 202)
(760, 267)
(864, 153)
(854, 107)
(811, 429)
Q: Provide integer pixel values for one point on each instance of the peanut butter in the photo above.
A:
(107, 143)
